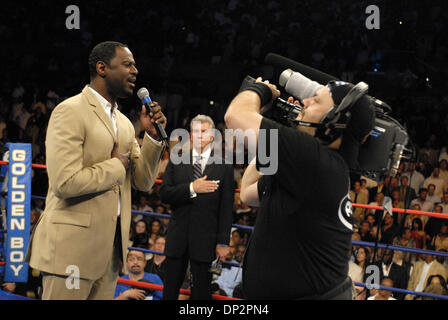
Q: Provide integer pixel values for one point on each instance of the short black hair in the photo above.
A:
(104, 51)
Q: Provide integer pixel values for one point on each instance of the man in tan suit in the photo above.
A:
(423, 269)
(92, 160)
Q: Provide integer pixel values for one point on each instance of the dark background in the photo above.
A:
(203, 49)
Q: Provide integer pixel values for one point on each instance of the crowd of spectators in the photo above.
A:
(193, 58)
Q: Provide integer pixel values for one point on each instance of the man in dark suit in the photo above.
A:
(397, 273)
(407, 194)
(375, 190)
(201, 195)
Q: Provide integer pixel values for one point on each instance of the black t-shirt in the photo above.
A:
(302, 238)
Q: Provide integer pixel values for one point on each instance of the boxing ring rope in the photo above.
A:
(360, 243)
(159, 287)
(424, 294)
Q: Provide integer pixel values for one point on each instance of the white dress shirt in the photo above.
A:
(205, 156)
(107, 106)
(386, 269)
(421, 283)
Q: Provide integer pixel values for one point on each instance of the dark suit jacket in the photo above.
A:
(374, 191)
(197, 224)
(409, 195)
(398, 274)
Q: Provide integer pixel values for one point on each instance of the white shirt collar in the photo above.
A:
(205, 154)
(103, 102)
(428, 264)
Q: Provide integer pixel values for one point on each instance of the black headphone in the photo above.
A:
(334, 122)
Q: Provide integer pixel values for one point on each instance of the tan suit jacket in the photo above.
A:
(78, 225)
(436, 268)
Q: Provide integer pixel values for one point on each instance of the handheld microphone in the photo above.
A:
(143, 95)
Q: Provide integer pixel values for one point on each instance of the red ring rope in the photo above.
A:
(159, 287)
(423, 213)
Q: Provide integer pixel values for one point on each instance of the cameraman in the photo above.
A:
(305, 220)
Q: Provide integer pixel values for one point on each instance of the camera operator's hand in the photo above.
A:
(291, 100)
(296, 102)
(202, 185)
(275, 94)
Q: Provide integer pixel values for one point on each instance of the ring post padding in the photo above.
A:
(18, 211)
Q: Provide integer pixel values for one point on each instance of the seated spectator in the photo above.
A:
(377, 203)
(360, 197)
(421, 272)
(418, 234)
(155, 231)
(141, 206)
(410, 217)
(140, 235)
(364, 231)
(404, 239)
(356, 274)
(444, 204)
(355, 237)
(373, 191)
(432, 227)
(382, 294)
(436, 289)
(157, 264)
(416, 178)
(239, 252)
(398, 274)
(436, 279)
(236, 237)
(406, 193)
(364, 188)
(437, 181)
(371, 219)
(397, 204)
(443, 170)
(362, 258)
(440, 241)
(135, 262)
(374, 232)
(443, 260)
(230, 275)
(432, 197)
(393, 184)
(435, 285)
(422, 202)
(389, 230)
(398, 260)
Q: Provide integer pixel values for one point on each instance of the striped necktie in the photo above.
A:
(197, 168)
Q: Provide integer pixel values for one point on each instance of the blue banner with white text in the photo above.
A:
(18, 211)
